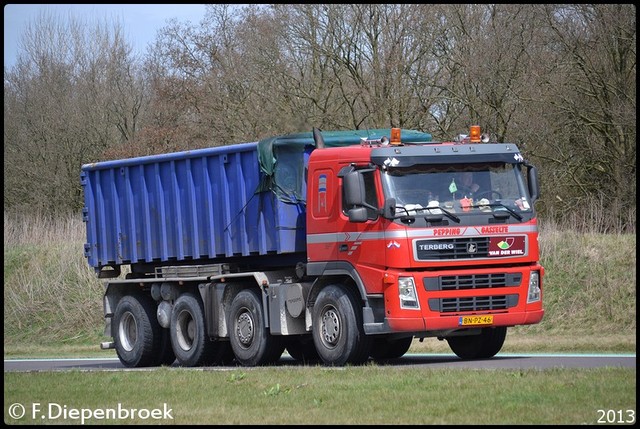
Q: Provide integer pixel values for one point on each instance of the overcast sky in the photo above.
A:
(140, 21)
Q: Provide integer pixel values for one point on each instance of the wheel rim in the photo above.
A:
(330, 327)
(244, 329)
(128, 331)
(185, 330)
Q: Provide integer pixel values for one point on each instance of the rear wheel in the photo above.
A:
(385, 348)
(338, 332)
(189, 339)
(250, 339)
(483, 346)
(136, 332)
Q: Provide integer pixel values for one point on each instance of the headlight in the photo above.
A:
(407, 293)
(534, 287)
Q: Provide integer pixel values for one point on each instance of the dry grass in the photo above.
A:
(590, 282)
(51, 295)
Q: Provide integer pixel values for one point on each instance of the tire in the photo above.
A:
(384, 348)
(136, 332)
(250, 339)
(189, 339)
(338, 332)
(483, 346)
(302, 349)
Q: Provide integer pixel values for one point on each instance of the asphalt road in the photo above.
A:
(501, 361)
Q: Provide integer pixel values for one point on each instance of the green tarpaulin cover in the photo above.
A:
(282, 158)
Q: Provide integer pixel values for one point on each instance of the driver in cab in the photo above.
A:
(465, 184)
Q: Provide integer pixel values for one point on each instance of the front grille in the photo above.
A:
(472, 281)
(473, 303)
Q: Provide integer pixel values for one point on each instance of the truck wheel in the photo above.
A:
(189, 339)
(250, 339)
(136, 332)
(482, 346)
(338, 333)
(383, 348)
(302, 348)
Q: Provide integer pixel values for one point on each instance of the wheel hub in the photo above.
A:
(244, 329)
(128, 331)
(330, 327)
(186, 330)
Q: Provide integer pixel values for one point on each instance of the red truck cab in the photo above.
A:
(429, 258)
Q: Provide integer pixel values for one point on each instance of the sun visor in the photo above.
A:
(408, 156)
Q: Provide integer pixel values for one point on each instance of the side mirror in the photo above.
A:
(532, 181)
(354, 189)
(358, 214)
(357, 207)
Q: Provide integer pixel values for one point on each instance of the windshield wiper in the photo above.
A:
(430, 217)
(499, 204)
(406, 218)
(438, 217)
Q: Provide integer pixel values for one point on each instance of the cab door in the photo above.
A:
(362, 242)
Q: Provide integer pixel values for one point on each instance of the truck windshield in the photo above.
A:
(459, 189)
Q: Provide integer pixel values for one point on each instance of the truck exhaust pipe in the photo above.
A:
(317, 138)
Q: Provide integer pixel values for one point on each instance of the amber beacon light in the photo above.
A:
(395, 136)
(474, 134)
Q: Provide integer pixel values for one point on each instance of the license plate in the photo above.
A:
(475, 320)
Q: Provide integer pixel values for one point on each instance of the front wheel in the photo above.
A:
(483, 346)
(338, 332)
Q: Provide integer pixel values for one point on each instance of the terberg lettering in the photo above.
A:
(436, 246)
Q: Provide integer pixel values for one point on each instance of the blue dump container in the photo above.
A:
(199, 205)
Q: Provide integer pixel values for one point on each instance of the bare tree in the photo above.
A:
(202, 80)
(72, 94)
(591, 93)
(486, 51)
(559, 80)
(375, 62)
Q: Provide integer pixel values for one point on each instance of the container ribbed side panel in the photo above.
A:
(194, 205)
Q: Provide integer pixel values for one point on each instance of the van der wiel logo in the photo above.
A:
(507, 246)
